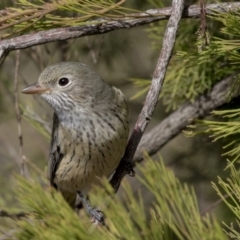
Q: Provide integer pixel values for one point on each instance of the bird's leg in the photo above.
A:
(96, 214)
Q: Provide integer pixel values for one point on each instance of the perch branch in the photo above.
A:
(172, 125)
(107, 25)
(19, 215)
(153, 93)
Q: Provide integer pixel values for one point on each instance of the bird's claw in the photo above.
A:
(129, 168)
(97, 216)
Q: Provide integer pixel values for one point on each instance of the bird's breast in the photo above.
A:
(90, 151)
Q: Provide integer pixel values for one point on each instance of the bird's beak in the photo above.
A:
(34, 89)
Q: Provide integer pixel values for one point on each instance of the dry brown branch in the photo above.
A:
(91, 50)
(18, 114)
(33, 116)
(19, 215)
(203, 34)
(152, 15)
(153, 93)
(213, 205)
(34, 167)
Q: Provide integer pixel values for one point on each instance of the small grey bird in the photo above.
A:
(90, 126)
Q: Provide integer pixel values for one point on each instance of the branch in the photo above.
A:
(214, 205)
(19, 215)
(153, 93)
(107, 25)
(18, 114)
(172, 125)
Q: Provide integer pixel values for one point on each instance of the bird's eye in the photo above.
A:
(63, 81)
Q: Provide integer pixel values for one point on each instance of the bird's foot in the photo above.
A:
(129, 168)
(96, 215)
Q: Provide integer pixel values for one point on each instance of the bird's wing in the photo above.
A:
(55, 155)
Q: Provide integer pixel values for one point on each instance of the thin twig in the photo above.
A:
(63, 46)
(202, 31)
(153, 93)
(92, 52)
(33, 116)
(34, 166)
(215, 204)
(107, 25)
(18, 114)
(36, 55)
(19, 215)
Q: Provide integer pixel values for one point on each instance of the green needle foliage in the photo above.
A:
(227, 130)
(201, 59)
(225, 123)
(174, 214)
(42, 15)
(177, 205)
(231, 187)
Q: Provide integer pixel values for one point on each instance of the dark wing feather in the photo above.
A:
(55, 155)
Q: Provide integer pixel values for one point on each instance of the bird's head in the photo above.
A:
(69, 84)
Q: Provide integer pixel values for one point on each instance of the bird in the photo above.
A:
(90, 127)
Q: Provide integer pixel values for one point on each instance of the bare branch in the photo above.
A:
(19, 215)
(90, 46)
(172, 125)
(33, 116)
(153, 93)
(202, 31)
(213, 205)
(18, 113)
(107, 25)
